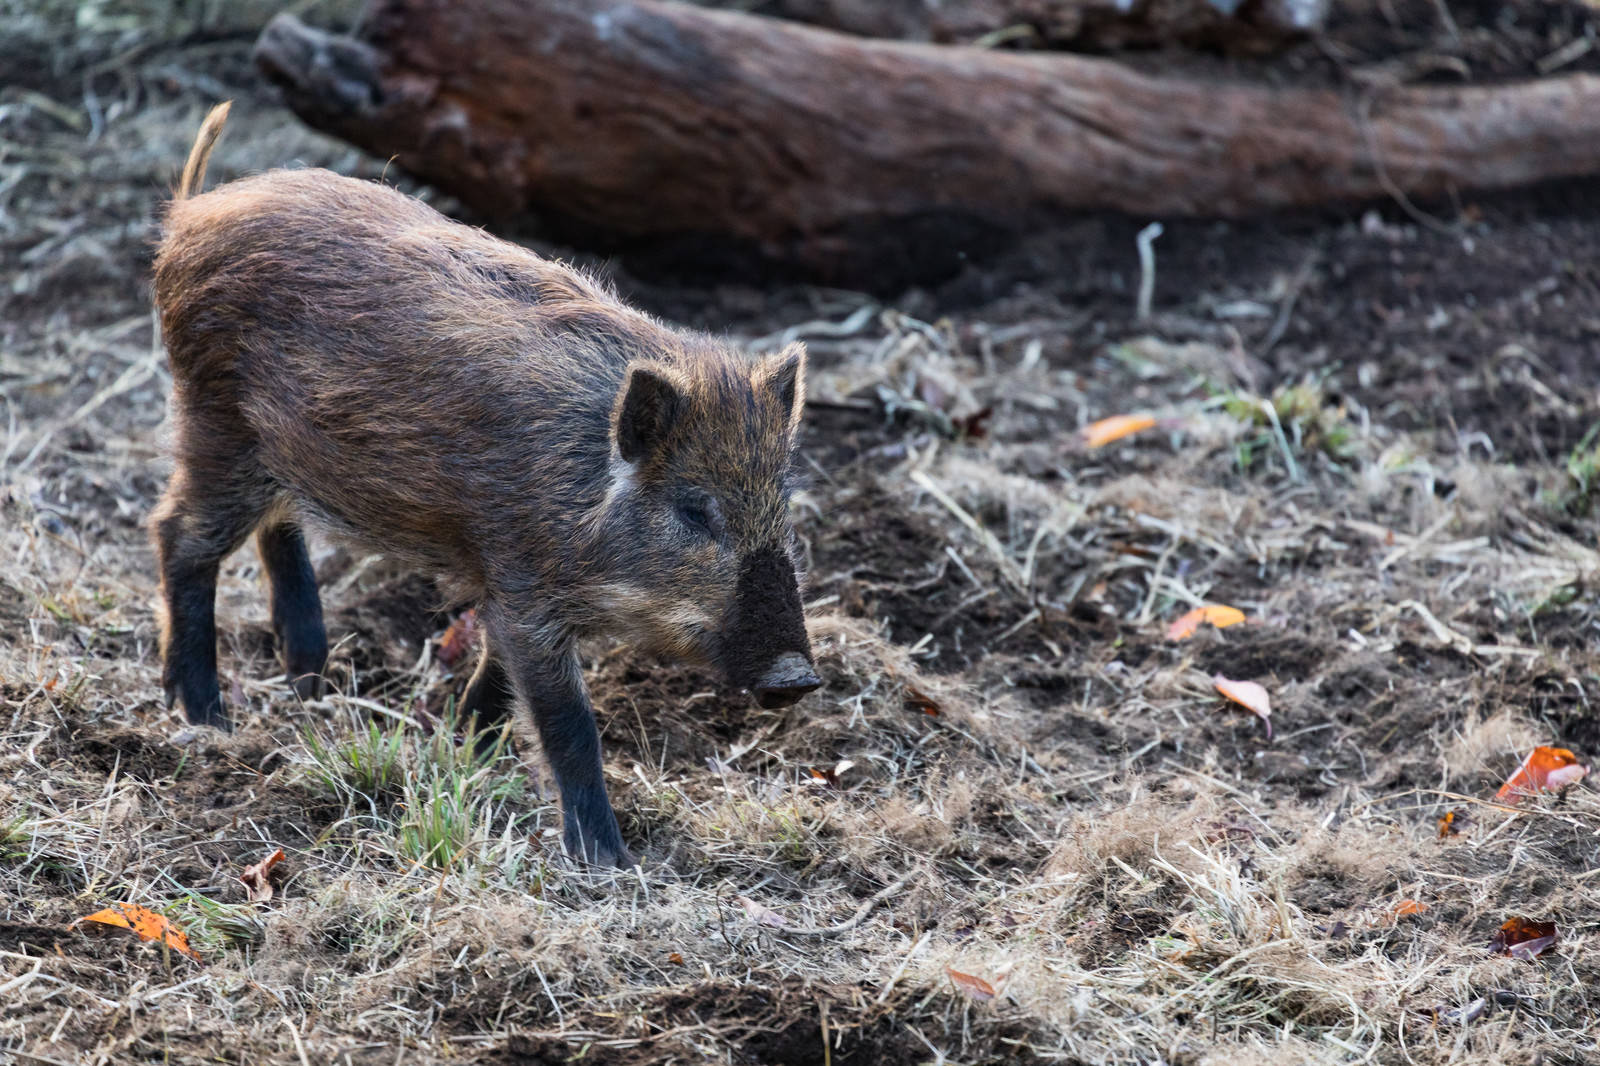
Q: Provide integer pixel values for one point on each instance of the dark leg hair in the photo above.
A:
(193, 532)
(296, 609)
(551, 684)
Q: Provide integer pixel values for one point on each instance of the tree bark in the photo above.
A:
(640, 119)
(1236, 25)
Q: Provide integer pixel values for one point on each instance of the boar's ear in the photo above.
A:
(785, 375)
(649, 405)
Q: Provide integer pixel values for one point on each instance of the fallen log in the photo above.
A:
(639, 119)
(1235, 25)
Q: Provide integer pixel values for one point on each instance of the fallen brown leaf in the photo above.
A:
(1248, 695)
(146, 923)
(1218, 614)
(1107, 430)
(256, 879)
(762, 915)
(459, 638)
(1544, 768)
(1406, 908)
(975, 987)
(1522, 939)
(920, 700)
(1467, 1012)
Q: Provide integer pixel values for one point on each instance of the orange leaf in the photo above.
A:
(147, 923)
(829, 776)
(975, 987)
(1544, 768)
(1099, 434)
(1248, 695)
(459, 638)
(1406, 908)
(1522, 939)
(1218, 614)
(256, 883)
(923, 702)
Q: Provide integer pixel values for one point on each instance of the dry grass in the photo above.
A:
(1009, 772)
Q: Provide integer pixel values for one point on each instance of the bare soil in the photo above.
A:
(1050, 789)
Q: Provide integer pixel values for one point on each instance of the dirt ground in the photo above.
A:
(1374, 435)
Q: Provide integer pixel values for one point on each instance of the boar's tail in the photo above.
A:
(194, 171)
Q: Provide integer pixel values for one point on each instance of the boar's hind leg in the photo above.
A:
(296, 609)
(552, 686)
(489, 698)
(195, 528)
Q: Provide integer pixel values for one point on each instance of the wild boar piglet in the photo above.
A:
(344, 356)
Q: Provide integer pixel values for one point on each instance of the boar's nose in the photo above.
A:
(786, 680)
(764, 646)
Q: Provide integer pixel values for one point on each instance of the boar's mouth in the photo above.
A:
(764, 644)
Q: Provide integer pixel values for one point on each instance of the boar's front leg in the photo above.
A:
(551, 684)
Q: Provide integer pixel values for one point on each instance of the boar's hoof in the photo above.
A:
(617, 856)
(586, 848)
(786, 680)
(308, 686)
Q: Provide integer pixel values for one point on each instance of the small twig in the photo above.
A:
(967, 601)
(1147, 268)
(854, 323)
(1297, 283)
(1421, 539)
(1441, 632)
(1457, 797)
(1027, 619)
(375, 708)
(561, 1017)
(894, 978)
(827, 1051)
(32, 1057)
(1145, 609)
(854, 920)
(1008, 568)
(961, 564)
(1397, 194)
(1570, 52)
(1448, 21)
(1020, 31)
(299, 1047)
(22, 981)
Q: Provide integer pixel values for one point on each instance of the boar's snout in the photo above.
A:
(764, 644)
(789, 678)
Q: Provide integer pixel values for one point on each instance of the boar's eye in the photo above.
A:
(700, 514)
